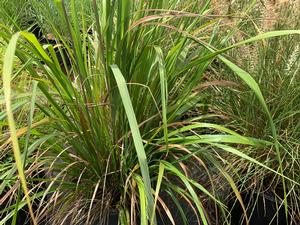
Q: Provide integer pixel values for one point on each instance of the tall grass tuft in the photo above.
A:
(115, 107)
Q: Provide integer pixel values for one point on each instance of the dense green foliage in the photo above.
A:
(115, 116)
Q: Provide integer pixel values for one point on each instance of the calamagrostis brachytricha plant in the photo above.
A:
(117, 137)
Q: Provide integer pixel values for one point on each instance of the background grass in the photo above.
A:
(270, 62)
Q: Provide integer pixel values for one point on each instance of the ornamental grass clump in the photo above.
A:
(110, 127)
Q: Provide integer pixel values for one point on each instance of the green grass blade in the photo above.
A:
(7, 75)
(213, 138)
(215, 53)
(32, 39)
(251, 83)
(135, 134)
(143, 199)
(161, 170)
(252, 160)
(163, 90)
(266, 35)
(25, 152)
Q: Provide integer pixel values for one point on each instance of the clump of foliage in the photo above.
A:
(110, 122)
